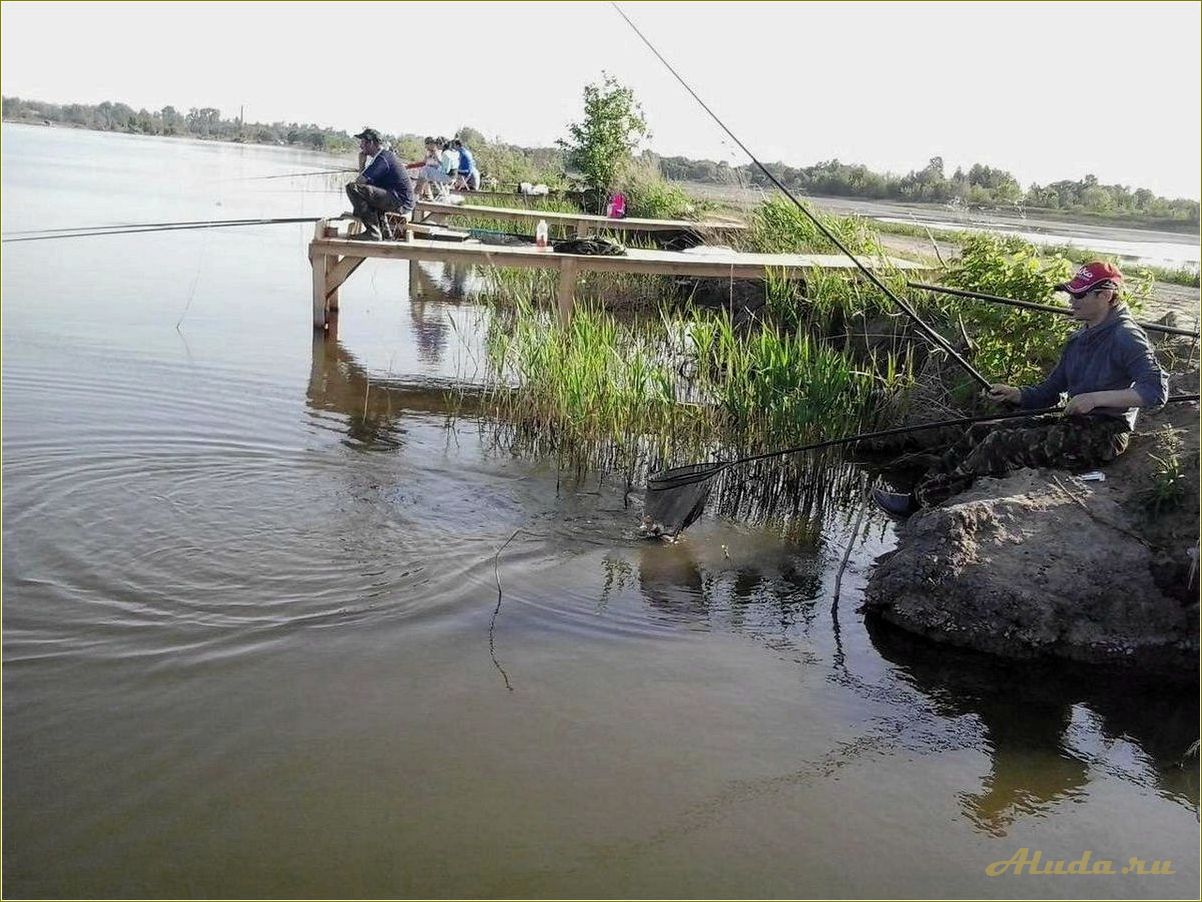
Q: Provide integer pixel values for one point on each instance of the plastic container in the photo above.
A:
(540, 235)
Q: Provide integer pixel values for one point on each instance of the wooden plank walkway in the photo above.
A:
(334, 258)
(583, 223)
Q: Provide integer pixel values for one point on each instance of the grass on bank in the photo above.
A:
(1183, 275)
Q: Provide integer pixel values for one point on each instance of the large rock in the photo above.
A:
(1019, 567)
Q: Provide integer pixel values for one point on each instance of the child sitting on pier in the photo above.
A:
(430, 172)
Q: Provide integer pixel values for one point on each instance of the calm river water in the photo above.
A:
(253, 647)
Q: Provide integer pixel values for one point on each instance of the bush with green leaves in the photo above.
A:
(601, 145)
(1009, 344)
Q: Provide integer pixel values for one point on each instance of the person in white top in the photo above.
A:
(429, 171)
(448, 162)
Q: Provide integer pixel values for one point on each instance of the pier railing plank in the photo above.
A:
(714, 263)
(583, 222)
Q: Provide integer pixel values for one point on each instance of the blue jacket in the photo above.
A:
(466, 162)
(386, 172)
(1111, 356)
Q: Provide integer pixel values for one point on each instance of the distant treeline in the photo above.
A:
(508, 163)
(982, 186)
(205, 122)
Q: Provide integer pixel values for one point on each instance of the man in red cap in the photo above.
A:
(1108, 370)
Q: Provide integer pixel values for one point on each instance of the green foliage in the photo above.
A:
(1010, 344)
(507, 165)
(1168, 487)
(1183, 275)
(601, 144)
(778, 227)
(778, 386)
(651, 196)
(640, 390)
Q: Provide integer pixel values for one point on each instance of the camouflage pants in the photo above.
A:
(1047, 441)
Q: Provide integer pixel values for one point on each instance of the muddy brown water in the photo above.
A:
(253, 646)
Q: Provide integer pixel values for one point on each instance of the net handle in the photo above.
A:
(718, 466)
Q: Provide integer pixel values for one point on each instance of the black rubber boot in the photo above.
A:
(894, 503)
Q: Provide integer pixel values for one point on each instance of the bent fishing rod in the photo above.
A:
(933, 336)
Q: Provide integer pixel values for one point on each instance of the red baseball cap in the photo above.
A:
(1090, 275)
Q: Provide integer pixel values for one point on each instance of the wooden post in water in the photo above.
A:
(321, 264)
(566, 295)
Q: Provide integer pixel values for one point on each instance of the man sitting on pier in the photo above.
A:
(1108, 369)
(384, 187)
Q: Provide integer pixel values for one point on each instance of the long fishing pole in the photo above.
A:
(289, 175)
(132, 225)
(162, 227)
(691, 474)
(930, 333)
(1031, 305)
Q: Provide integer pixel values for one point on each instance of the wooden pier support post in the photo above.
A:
(321, 269)
(566, 295)
(329, 272)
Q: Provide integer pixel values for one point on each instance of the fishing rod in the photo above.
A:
(677, 495)
(1031, 305)
(131, 225)
(291, 175)
(85, 232)
(930, 333)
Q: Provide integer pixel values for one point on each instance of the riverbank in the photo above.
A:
(745, 196)
(1041, 564)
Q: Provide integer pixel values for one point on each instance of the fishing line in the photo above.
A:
(195, 281)
(288, 175)
(937, 339)
(492, 623)
(124, 225)
(92, 232)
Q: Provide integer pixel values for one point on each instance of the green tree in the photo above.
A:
(602, 144)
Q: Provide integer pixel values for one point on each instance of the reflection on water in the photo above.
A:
(745, 587)
(1043, 751)
(371, 410)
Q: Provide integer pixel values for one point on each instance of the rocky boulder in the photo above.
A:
(1040, 564)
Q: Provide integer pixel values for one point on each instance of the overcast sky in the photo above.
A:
(1044, 90)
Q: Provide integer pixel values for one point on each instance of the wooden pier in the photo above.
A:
(427, 211)
(335, 257)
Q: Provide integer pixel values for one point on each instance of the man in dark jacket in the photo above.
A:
(383, 187)
(1108, 370)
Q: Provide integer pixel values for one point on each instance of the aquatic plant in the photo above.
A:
(650, 195)
(776, 226)
(632, 392)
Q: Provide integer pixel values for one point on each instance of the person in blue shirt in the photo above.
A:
(383, 187)
(1108, 369)
(469, 176)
